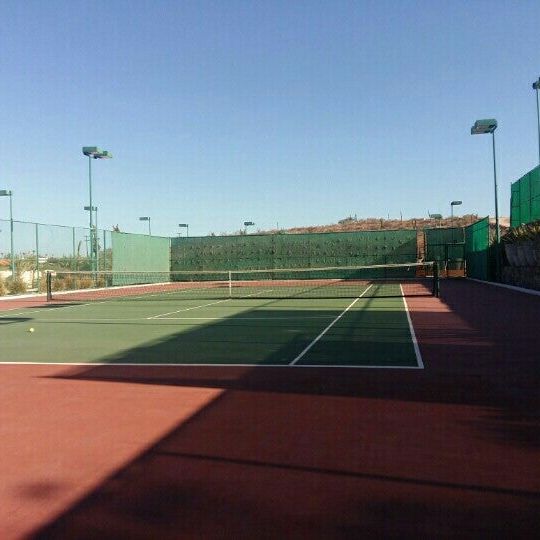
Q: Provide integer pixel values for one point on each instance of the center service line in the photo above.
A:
(163, 315)
(328, 328)
(187, 309)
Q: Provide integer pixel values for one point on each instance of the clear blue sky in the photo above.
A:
(289, 112)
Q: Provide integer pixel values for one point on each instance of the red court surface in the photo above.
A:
(220, 452)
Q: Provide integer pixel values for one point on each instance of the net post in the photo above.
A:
(230, 284)
(436, 279)
(48, 280)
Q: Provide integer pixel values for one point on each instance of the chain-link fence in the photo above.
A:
(38, 247)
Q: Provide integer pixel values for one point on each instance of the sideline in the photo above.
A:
(523, 290)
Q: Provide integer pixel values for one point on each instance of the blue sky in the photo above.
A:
(297, 113)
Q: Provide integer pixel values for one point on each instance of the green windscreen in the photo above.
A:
(252, 252)
(525, 198)
(477, 249)
(139, 253)
(447, 246)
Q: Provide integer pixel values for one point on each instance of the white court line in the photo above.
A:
(46, 309)
(16, 297)
(118, 298)
(187, 309)
(506, 286)
(413, 334)
(11, 309)
(18, 314)
(241, 318)
(90, 320)
(205, 305)
(258, 366)
(328, 328)
(128, 319)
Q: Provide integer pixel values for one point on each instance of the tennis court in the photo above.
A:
(320, 321)
(226, 443)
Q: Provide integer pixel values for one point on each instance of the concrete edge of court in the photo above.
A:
(506, 286)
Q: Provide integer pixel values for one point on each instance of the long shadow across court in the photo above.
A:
(321, 453)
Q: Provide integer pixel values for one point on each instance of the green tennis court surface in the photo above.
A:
(174, 330)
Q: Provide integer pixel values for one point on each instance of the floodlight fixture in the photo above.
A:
(96, 153)
(481, 127)
(147, 218)
(248, 224)
(185, 226)
(452, 204)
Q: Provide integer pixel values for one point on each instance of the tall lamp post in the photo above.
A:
(147, 218)
(536, 86)
(94, 248)
(481, 127)
(248, 224)
(185, 226)
(93, 152)
(452, 204)
(436, 217)
(9, 193)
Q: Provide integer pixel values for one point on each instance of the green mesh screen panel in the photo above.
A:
(525, 198)
(477, 250)
(251, 252)
(447, 246)
(139, 253)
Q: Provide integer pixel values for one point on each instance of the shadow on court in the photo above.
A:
(14, 320)
(341, 453)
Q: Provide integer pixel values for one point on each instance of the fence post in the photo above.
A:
(436, 279)
(49, 288)
(75, 261)
(104, 250)
(37, 255)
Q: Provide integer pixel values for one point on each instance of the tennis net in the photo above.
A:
(415, 279)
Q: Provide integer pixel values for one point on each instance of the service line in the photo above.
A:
(328, 328)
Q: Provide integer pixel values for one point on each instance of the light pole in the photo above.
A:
(248, 224)
(481, 127)
(93, 152)
(452, 204)
(185, 226)
(147, 218)
(9, 193)
(436, 217)
(95, 244)
(536, 86)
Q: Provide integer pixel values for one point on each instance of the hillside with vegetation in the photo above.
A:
(350, 224)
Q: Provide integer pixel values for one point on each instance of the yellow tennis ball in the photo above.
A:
(31, 330)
